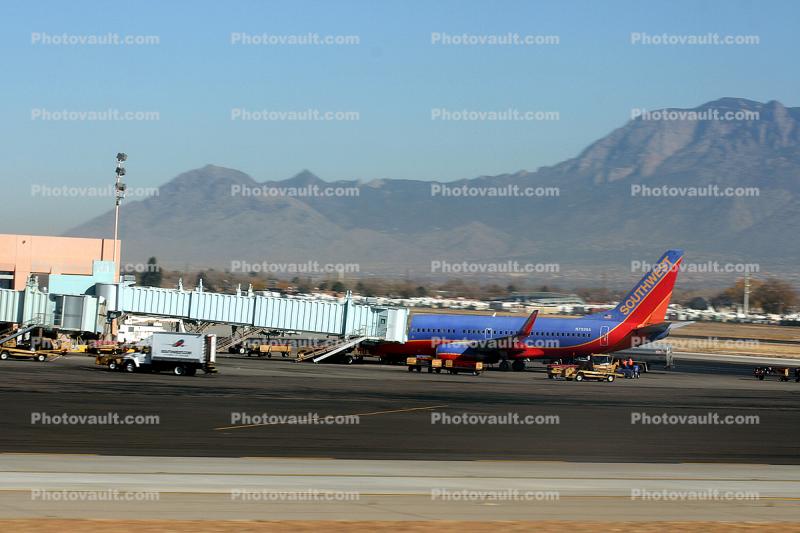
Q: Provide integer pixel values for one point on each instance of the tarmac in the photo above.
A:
(705, 441)
(400, 415)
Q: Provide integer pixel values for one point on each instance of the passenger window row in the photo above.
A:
(501, 333)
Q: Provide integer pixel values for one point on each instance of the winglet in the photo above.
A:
(527, 327)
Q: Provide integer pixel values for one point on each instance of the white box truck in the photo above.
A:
(183, 354)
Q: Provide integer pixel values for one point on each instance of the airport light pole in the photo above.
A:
(746, 294)
(119, 194)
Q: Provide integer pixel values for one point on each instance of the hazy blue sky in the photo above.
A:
(194, 77)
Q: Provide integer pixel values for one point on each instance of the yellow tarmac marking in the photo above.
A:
(373, 413)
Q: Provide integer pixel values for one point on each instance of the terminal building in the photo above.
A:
(64, 261)
(72, 285)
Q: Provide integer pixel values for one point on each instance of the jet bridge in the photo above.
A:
(342, 317)
(88, 312)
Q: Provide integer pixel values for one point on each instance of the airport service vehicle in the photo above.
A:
(423, 361)
(112, 361)
(644, 368)
(135, 329)
(559, 370)
(35, 355)
(599, 372)
(639, 318)
(783, 373)
(183, 354)
(434, 364)
(597, 362)
(99, 347)
(12, 350)
(261, 349)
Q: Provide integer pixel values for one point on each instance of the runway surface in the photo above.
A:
(53, 486)
(396, 413)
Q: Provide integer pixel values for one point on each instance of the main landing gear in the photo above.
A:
(517, 365)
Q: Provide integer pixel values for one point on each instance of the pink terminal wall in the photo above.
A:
(27, 254)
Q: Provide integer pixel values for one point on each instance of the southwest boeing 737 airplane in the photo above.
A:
(638, 319)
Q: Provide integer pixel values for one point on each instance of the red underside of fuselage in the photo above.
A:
(618, 339)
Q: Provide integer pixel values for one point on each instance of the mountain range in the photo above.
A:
(595, 223)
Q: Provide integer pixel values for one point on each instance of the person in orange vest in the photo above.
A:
(624, 364)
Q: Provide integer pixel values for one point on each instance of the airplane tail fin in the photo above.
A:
(647, 302)
(527, 327)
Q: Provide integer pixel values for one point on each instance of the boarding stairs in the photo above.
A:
(240, 335)
(35, 322)
(320, 354)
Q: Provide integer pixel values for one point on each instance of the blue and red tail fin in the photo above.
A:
(647, 302)
(527, 327)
